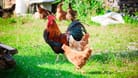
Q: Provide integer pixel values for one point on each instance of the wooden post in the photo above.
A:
(1, 3)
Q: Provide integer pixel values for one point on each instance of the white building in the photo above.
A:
(24, 6)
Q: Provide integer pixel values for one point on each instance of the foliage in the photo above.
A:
(86, 8)
(131, 19)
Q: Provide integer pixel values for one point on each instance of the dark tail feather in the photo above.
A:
(77, 30)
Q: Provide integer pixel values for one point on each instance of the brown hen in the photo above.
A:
(60, 13)
(43, 13)
(71, 14)
(78, 58)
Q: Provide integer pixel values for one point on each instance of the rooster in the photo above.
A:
(60, 14)
(71, 14)
(7, 12)
(55, 38)
(43, 12)
(78, 58)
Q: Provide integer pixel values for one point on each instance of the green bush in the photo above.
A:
(130, 19)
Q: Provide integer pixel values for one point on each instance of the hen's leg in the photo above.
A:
(64, 58)
(78, 69)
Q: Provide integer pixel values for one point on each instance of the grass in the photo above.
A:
(111, 58)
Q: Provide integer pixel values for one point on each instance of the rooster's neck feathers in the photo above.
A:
(52, 26)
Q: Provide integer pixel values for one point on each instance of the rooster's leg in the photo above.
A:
(57, 57)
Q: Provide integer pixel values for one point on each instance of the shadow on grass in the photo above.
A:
(31, 69)
(28, 67)
(38, 72)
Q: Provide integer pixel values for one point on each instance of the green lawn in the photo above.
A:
(113, 53)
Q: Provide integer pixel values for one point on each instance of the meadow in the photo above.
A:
(115, 50)
(115, 47)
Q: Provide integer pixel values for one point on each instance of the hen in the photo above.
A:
(60, 14)
(79, 45)
(54, 37)
(71, 14)
(43, 12)
(78, 58)
(7, 12)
